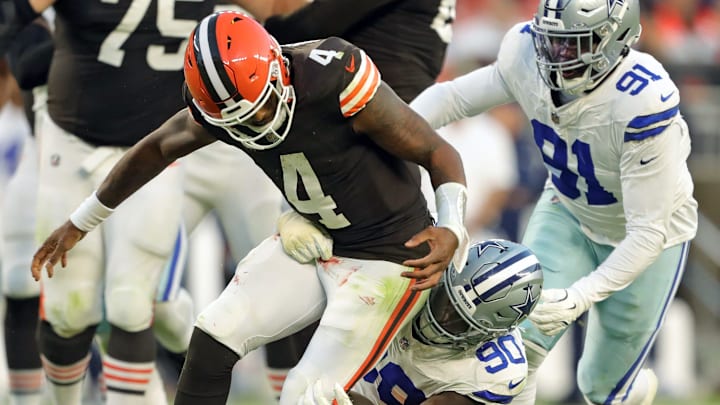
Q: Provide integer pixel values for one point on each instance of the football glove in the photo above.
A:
(558, 308)
(302, 240)
(314, 395)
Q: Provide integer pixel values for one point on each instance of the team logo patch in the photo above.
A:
(54, 160)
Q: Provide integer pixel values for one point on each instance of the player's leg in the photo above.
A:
(565, 255)
(368, 302)
(22, 293)
(622, 329)
(139, 238)
(270, 296)
(71, 304)
(258, 216)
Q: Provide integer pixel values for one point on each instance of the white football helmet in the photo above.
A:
(578, 42)
(495, 291)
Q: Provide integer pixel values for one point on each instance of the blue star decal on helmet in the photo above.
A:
(524, 308)
(611, 3)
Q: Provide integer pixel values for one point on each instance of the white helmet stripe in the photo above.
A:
(206, 57)
(501, 276)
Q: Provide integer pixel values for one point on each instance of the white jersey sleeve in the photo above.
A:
(467, 95)
(411, 372)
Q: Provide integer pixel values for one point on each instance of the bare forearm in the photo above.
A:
(177, 137)
(138, 166)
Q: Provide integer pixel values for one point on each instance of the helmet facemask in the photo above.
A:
(239, 79)
(495, 291)
(441, 324)
(578, 46)
(236, 118)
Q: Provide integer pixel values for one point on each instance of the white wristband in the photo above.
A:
(90, 214)
(450, 199)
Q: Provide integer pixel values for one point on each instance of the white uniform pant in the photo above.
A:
(122, 259)
(361, 304)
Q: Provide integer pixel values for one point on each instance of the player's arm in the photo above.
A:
(464, 96)
(390, 123)
(16, 14)
(177, 137)
(479, 90)
(321, 19)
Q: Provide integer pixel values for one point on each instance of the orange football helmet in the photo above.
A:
(233, 67)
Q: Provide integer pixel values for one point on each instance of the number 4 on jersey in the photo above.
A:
(295, 167)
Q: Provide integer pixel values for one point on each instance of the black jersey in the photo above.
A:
(406, 39)
(368, 200)
(117, 72)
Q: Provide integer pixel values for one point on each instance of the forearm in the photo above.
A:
(629, 259)
(139, 165)
(465, 96)
(177, 137)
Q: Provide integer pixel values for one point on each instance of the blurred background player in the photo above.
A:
(29, 58)
(613, 226)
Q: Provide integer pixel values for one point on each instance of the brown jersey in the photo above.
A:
(368, 200)
(116, 73)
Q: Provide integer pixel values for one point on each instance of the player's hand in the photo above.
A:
(558, 308)
(302, 240)
(314, 395)
(55, 249)
(429, 269)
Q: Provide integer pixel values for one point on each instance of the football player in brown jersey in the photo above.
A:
(343, 149)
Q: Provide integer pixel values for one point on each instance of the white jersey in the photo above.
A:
(616, 156)
(410, 372)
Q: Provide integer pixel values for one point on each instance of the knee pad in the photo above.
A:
(174, 322)
(129, 308)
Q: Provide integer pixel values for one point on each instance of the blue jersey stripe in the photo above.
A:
(652, 119)
(639, 136)
(490, 396)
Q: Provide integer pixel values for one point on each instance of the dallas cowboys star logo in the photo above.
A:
(524, 308)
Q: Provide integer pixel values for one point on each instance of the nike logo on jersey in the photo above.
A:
(646, 161)
(666, 98)
(512, 384)
(351, 67)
